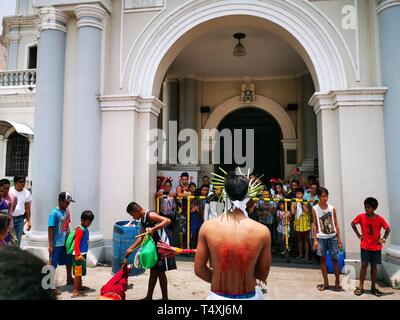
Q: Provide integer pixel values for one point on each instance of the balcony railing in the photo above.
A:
(14, 78)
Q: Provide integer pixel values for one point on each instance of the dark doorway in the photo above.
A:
(267, 140)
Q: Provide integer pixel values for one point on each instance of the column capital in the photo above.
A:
(50, 18)
(355, 97)
(131, 102)
(90, 16)
(289, 144)
(385, 4)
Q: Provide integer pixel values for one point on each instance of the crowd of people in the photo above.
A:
(271, 207)
(295, 210)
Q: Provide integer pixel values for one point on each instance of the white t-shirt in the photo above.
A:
(23, 197)
(326, 224)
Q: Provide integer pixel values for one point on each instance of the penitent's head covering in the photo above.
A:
(237, 188)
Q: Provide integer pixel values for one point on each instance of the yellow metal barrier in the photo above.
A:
(190, 198)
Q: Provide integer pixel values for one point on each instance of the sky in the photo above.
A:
(7, 8)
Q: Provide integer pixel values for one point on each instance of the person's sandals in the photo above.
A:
(376, 292)
(359, 292)
(84, 288)
(78, 294)
(322, 287)
(57, 292)
(337, 288)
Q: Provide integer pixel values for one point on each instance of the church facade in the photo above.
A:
(87, 80)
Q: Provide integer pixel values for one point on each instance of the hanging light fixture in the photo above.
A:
(239, 50)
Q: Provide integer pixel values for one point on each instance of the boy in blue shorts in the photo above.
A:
(58, 229)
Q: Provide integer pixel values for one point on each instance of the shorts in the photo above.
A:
(331, 245)
(256, 295)
(60, 257)
(303, 236)
(373, 257)
(79, 267)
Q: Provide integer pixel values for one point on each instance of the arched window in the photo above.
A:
(17, 161)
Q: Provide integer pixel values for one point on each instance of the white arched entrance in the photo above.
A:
(153, 55)
(289, 137)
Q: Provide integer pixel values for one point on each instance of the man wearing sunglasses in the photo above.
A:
(22, 212)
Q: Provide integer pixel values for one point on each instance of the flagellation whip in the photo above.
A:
(167, 251)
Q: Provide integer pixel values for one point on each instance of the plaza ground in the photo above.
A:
(285, 281)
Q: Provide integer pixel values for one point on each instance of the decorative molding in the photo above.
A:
(90, 16)
(393, 251)
(261, 102)
(69, 4)
(315, 39)
(156, 6)
(16, 22)
(355, 97)
(387, 4)
(52, 19)
(134, 103)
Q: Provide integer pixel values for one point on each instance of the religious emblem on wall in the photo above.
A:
(248, 92)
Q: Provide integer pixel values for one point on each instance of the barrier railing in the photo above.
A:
(190, 198)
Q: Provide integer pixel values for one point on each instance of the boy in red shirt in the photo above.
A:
(371, 242)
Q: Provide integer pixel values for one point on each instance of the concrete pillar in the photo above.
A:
(171, 107)
(12, 56)
(346, 166)
(389, 26)
(22, 7)
(188, 107)
(145, 167)
(88, 117)
(48, 124)
(310, 150)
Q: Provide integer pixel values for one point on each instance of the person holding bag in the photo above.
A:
(153, 231)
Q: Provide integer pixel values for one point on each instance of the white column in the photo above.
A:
(88, 120)
(310, 149)
(145, 171)
(171, 106)
(48, 124)
(389, 26)
(352, 155)
(12, 55)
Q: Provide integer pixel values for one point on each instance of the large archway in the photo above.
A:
(290, 20)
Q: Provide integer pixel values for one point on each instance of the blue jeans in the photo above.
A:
(19, 227)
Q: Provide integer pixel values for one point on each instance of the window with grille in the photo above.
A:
(17, 155)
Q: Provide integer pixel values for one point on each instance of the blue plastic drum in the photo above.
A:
(329, 263)
(123, 238)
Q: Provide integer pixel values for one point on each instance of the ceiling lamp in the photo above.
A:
(239, 50)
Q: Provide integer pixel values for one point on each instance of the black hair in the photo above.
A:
(87, 215)
(132, 207)
(21, 276)
(279, 184)
(17, 178)
(372, 202)
(4, 222)
(192, 184)
(294, 181)
(322, 190)
(4, 182)
(299, 190)
(206, 177)
(236, 186)
(185, 174)
(312, 178)
(204, 186)
(168, 181)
